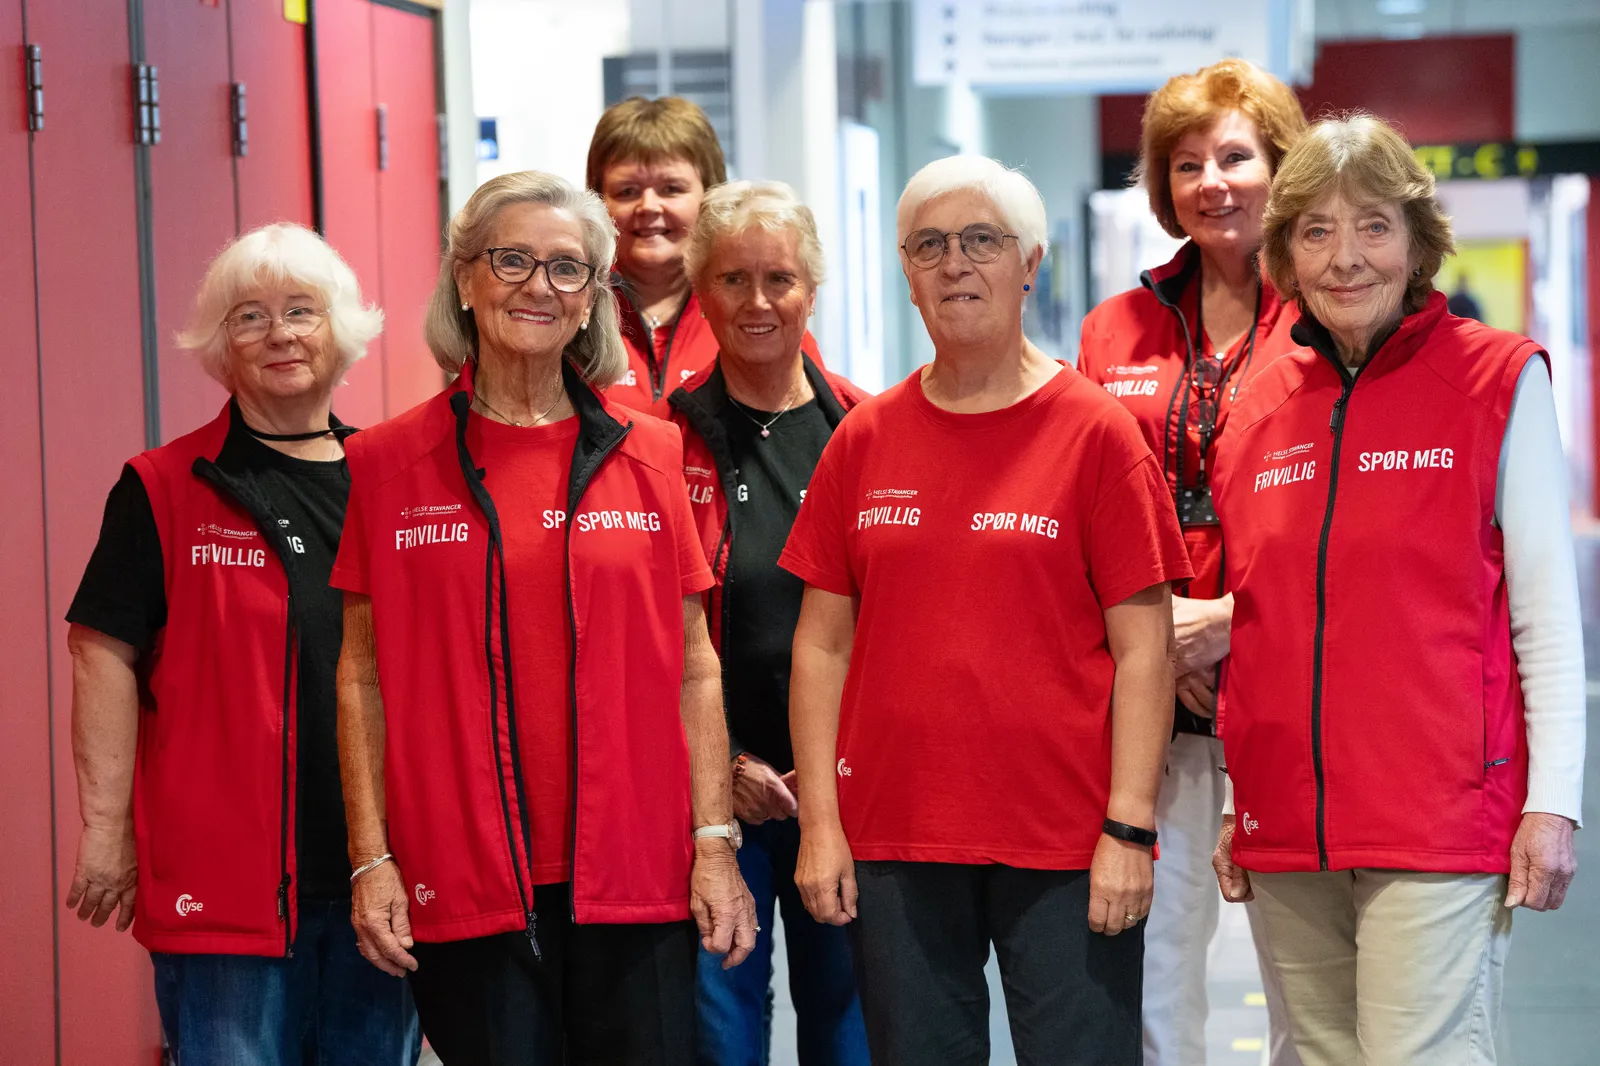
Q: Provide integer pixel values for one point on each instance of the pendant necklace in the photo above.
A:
(504, 418)
(766, 427)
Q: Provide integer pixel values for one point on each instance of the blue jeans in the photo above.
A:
(735, 1006)
(326, 1006)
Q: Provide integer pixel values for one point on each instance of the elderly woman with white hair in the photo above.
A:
(982, 688)
(530, 722)
(755, 423)
(204, 641)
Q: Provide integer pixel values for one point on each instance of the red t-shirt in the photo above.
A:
(984, 548)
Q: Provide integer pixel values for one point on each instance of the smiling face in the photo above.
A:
(281, 365)
(1220, 177)
(654, 206)
(756, 297)
(530, 319)
(1352, 263)
(965, 303)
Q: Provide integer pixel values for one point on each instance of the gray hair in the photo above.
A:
(279, 254)
(740, 205)
(1013, 195)
(452, 333)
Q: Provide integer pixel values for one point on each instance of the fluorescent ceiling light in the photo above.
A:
(1401, 7)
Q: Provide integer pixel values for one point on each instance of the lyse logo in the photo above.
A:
(844, 771)
(424, 894)
(188, 905)
(1248, 824)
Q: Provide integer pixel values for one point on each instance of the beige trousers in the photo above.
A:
(1387, 967)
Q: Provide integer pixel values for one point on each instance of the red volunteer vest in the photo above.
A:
(458, 822)
(1373, 711)
(1138, 345)
(708, 466)
(214, 785)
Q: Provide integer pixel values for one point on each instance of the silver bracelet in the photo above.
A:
(368, 867)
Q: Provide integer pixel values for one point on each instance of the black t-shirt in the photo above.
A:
(123, 595)
(762, 601)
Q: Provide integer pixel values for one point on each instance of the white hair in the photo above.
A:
(287, 255)
(736, 206)
(1013, 195)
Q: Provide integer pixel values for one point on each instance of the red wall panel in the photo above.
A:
(93, 420)
(408, 200)
(269, 57)
(27, 966)
(191, 191)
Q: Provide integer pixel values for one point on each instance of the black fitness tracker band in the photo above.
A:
(1145, 838)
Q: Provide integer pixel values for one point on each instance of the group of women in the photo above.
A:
(550, 705)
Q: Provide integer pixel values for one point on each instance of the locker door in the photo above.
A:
(191, 191)
(349, 155)
(93, 419)
(27, 1010)
(408, 199)
(269, 59)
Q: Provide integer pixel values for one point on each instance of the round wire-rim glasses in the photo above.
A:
(980, 242)
(515, 266)
(247, 326)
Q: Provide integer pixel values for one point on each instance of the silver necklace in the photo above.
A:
(766, 427)
(492, 409)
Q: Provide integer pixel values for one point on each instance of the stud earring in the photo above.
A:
(584, 324)
(466, 306)
(1417, 273)
(1026, 288)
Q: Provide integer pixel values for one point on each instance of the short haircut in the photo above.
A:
(737, 206)
(1191, 102)
(452, 333)
(1013, 195)
(1365, 159)
(654, 131)
(281, 254)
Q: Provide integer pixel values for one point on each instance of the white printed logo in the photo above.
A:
(1284, 453)
(223, 531)
(685, 375)
(1135, 369)
(630, 378)
(187, 905)
(891, 494)
(427, 509)
(844, 771)
(424, 894)
(1248, 824)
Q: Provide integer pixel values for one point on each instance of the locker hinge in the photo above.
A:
(147, 104)
(444, 148)
(241, 129)
(35, 88)
(383, 137)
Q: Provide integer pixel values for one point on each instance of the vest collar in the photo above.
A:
(1386, 352)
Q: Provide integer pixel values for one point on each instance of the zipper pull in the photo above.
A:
(533, 935)
(1337, 417)
(283, 899)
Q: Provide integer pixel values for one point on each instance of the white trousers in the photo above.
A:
(1387, 967)
(1183, 915)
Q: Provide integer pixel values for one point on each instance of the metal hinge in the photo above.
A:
(383, 137)
(241, 129)
(444, 147)
(147, 104)
(35, 88)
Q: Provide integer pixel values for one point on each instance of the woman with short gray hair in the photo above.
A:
(204, 639)
(530, 722)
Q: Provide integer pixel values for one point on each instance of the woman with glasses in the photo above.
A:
(981, 693)
(204, 639)
(530, 720)
(1176, 352)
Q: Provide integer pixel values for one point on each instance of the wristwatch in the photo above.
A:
(732, 832)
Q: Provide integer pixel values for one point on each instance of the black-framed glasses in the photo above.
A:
(515, 266)
(249, 326)
(981, 242)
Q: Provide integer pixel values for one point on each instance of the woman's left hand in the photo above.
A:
(1121, 883)
(1542, 862)
(721, 903)
(1201, 629)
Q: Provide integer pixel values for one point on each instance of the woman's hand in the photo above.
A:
(825, 873)
(1201, 629)
(1542, 862)
(1233, 880)
(760, 792)
(381, 914)
(1197, 691)
(1121, 883)
(106, 876)
(721, 903)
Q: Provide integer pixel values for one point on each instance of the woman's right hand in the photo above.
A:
(381, 914)
(106, 875)
(1233, 880)
(825, 873)
(760, 792)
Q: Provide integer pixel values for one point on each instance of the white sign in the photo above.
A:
(1093, 45)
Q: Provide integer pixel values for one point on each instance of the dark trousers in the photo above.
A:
(602, 995)
(921, 941)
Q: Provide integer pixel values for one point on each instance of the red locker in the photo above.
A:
(269, 60)
(191, 191)
(27, 967)
(92, 397)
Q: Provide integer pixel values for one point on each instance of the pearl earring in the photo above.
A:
(466, 306)
(584, 324)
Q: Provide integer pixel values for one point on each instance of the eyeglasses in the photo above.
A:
(514, 266)
(980, 242)
(248, 326)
